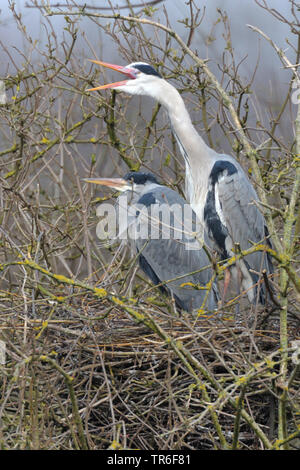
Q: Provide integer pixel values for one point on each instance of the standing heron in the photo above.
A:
(161, 226)
(215, 184)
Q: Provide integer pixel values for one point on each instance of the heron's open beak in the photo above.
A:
(116, 183)
(130, 73)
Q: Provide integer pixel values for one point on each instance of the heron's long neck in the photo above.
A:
(198, 156)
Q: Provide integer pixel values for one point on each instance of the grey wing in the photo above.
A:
(242, 217)
(177, 256)
(170, 263)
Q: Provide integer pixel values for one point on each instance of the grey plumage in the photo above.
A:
(171, 259)
(242, 223)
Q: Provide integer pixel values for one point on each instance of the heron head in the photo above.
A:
(142, 79)
(134, 181)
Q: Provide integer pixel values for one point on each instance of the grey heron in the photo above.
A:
(168, 240)
(215, 184)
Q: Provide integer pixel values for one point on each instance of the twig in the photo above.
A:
(84, 6)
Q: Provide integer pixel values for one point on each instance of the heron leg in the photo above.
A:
(227, 277)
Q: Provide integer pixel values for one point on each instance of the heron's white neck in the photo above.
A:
(199, 157)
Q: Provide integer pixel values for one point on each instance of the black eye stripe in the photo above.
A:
(147, 69)
(139, 177)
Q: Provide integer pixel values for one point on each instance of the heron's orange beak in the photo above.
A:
(116, 183)
(130, 73)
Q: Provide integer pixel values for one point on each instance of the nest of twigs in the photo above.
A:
(86, 374)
